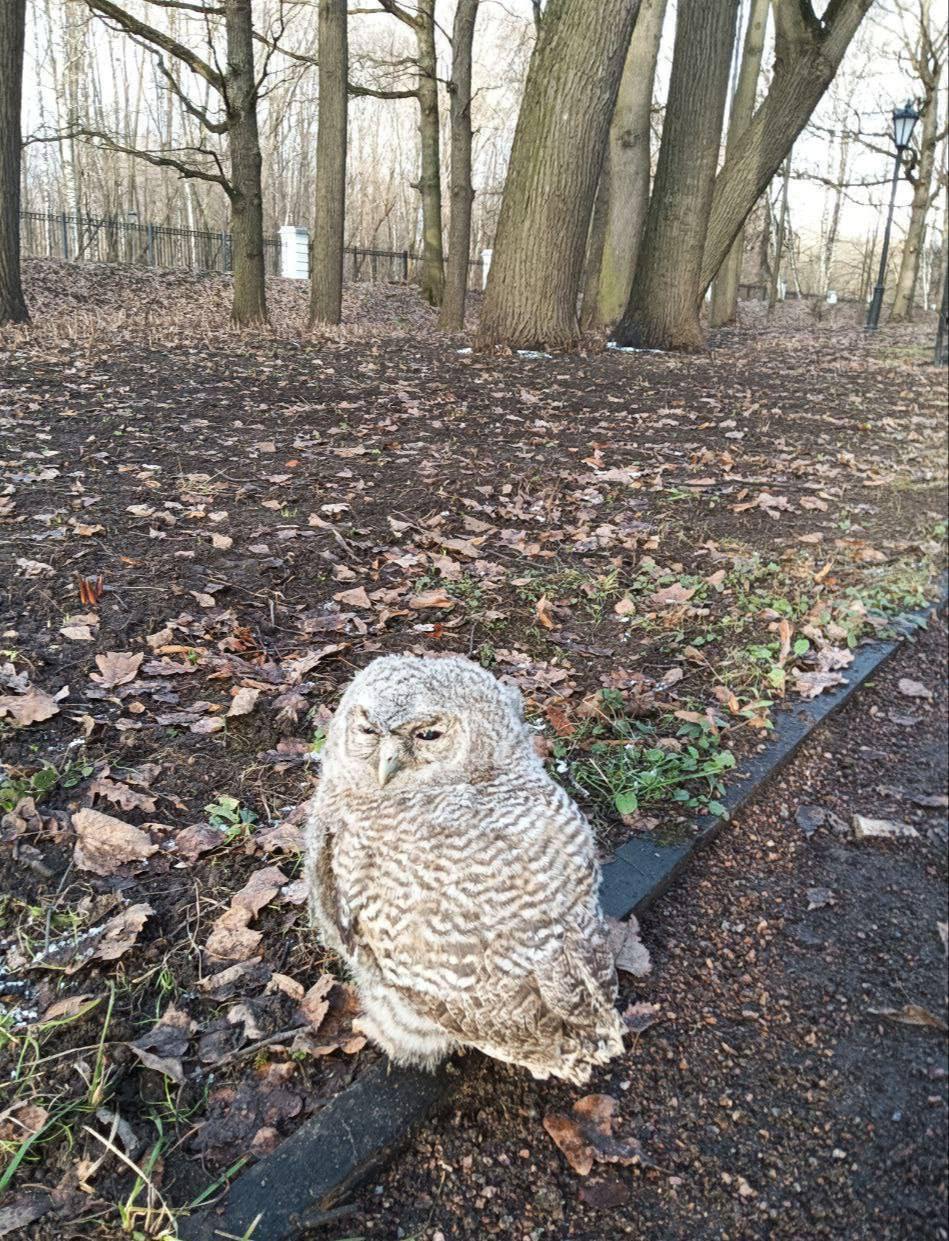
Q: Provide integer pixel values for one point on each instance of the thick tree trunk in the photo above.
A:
(913, 245)
(430, 180)
(724, 305)
(663, 308)
(247, 207)
(329, 215)
(561, 134)
(12, 33)
(452, 317)
(622, 199)
(808, 52)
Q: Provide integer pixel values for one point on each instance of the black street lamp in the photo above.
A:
(904, 120)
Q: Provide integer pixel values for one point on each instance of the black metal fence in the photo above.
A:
(110, 239)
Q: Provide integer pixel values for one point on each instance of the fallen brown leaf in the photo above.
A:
(104, 843)
(676, 593)
(32, 707)
(911, 1015)
(586, 1136)
(544, 612)
(162, 1047)
(629, 951)
(432, 599)
(117, 668)
(231, 937)
(243, 701)
(913, 689)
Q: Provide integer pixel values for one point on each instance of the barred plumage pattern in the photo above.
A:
(455, 878)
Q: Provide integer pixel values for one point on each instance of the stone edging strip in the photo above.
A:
(291, 1189)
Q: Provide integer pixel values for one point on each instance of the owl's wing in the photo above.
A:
(328, 911)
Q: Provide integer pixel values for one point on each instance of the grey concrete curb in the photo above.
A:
(284, 1193)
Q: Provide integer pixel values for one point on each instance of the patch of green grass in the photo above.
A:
(621, 765)
(591, 593)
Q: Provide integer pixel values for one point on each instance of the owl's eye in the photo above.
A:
(428, 734)
(369, 732)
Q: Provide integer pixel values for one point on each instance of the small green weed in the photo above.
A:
(229, 816)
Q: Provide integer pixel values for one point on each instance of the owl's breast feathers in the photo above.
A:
(479, 904)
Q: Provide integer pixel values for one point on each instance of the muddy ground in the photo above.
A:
(773, 1100)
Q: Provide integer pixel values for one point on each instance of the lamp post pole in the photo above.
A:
(876, 302)
(903, 121)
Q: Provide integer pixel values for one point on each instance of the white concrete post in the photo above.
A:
(831, 297)
(485, 266)
(294, 252)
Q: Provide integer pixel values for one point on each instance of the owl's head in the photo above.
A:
(406, 721)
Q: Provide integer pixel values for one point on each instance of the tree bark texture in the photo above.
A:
(724, 305)
(329, 214)
(808, 51)
(452, 317)
(247, 203)
(561, 135)
(622, 198)
(663, 308)
(922, 191)
(430, 182)
(12, 32)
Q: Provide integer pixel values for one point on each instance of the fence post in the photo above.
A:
(294, 252)
(62, 220)
(486, 256)
(150, 245)
(405, 266)
(225, 251)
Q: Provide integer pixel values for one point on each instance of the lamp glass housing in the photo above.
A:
(904, 120)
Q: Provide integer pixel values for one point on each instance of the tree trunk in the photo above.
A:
(808, 52)
(561, 135)
(912, 247)
(452, 318)
(247, 207)
(779, 237)
(329, 215)
(663, 309)
(12, 35)
(430, 180)
(833, 227)
(724, 305)
(622, 199)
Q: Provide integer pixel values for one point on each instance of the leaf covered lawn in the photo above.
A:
(205, 534)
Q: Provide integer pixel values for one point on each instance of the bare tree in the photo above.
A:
(663, 307)
(452, 317)
(725, 289)
(429, 184)
(238, 86)
(926, 48)
(808, 51)
(780, 237)
(561, 135)
(329, 215)
(622, 198)
(12, 36)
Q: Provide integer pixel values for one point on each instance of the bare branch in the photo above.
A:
(132, 25)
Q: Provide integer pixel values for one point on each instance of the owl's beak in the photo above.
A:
(390, 759)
